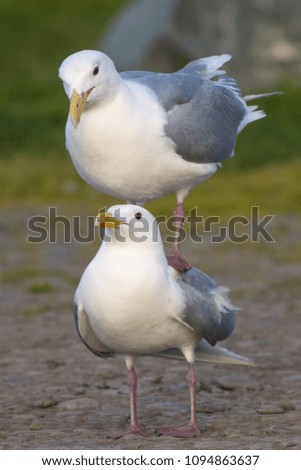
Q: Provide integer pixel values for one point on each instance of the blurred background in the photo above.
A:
(264, 38)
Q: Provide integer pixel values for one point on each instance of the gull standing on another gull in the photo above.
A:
(139, 135)
(130, 301)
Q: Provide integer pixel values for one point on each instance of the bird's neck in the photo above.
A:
(135, 256)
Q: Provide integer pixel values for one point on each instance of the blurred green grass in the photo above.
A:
(39, 35)
(34, 165)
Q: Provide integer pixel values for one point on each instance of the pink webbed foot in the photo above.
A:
(132, 429)
(191, 430)
(178, 262)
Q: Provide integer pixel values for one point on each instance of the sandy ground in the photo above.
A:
(55, 394)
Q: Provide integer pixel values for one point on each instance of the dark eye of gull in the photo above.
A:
(138, 215)
(95, 70)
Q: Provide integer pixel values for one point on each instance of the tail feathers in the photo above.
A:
(251, 115)
(223, 303)
(231, 84)
(262, 95)
(219, 355)
(206, 353)
(208, 66)
(213, 64)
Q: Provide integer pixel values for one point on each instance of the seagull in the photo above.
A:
(139, 135)
(131, 302)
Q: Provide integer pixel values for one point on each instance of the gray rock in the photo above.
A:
(77, 404)
(136, 28)
(270, 410)
(54, 363)
(287, 405)
(46, 402)
(80, 391)
(284, 445)
(233, 382)
(36, 426)
(264, 38)
(212, 408)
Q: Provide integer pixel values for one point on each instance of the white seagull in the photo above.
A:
(130, 301)
(139, 135)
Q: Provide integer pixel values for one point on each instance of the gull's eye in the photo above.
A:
(138, 215)
(95, 70)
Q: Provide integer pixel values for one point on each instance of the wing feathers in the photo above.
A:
(87, 335)
(208, 310)
(203, 115)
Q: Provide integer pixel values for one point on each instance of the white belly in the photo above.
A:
(122, 151)
(134, 316)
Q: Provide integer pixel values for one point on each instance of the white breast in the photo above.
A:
(133, 309)
(120, 148)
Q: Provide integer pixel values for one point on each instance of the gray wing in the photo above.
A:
(87, 335)
(206, 353)
(197, 279)
(207, 308)
(203, 116)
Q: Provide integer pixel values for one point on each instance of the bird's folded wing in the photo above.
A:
(207, 309)
(203, 116)
(87, 335)
(197, 279)
(205, 128)
(206, 353)
(179, 87)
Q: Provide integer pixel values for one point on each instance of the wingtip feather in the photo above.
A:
(218, 355)
(261, 95)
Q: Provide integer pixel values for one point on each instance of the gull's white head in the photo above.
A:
(129, 224)
(87, 76)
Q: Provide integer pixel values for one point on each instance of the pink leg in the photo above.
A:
(191, 429)
(134, 427)
(175, 259)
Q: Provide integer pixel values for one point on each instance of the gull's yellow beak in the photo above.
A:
(105, 219)
(77, 105)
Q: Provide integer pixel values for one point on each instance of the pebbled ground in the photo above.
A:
(55, 394)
